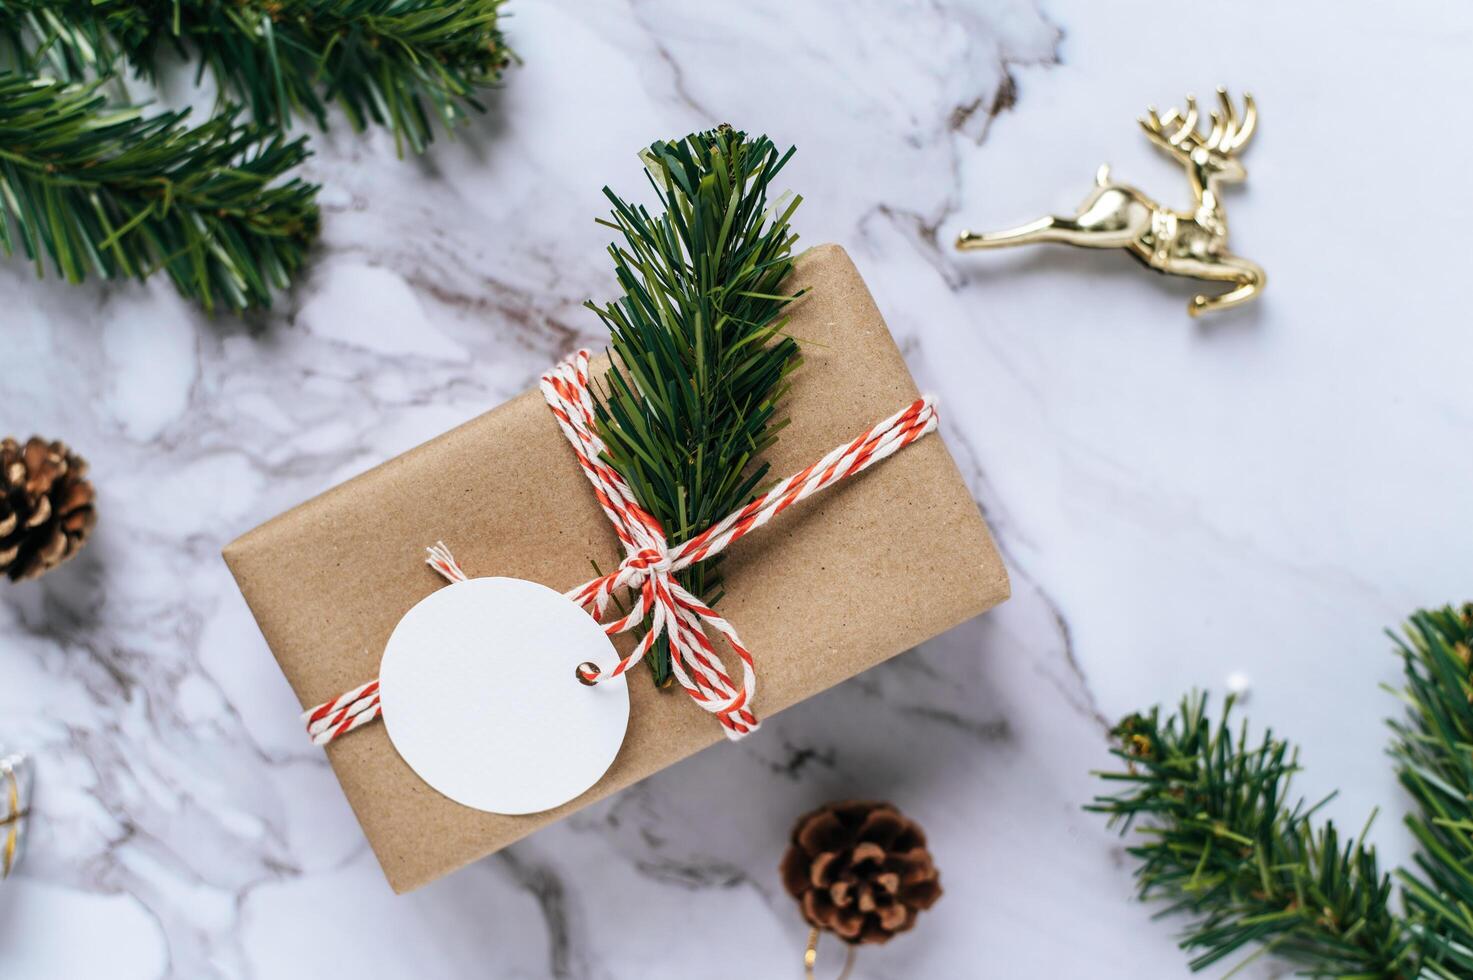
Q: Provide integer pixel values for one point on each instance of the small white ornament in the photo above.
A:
(1239, 685)
(481, 695)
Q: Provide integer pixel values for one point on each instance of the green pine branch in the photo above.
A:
(397, 63)
(1433, 750)
(1221, 843)
(115, 193)
(94, 190)
(700, 363)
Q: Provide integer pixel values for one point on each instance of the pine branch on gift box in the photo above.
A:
(700, 362)
(396, 63)
(115, 192)
(1222, 845)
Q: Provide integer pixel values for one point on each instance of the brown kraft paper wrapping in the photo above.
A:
(836, 584)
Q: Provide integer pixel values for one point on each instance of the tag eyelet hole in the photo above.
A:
(587, 673)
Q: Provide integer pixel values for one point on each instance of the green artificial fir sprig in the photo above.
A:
(1220, 842)
(699, 359)
(1223, 842)
(91, 187)
(396, 63)
(117, 193)
(1433, 749)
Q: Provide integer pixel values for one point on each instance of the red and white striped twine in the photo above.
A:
(650, 563)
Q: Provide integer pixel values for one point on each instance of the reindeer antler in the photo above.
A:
(1186, 133)
(1229, 133)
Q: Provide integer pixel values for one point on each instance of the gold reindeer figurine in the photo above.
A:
(1180, 243)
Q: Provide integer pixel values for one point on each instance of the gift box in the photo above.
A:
(836, 584)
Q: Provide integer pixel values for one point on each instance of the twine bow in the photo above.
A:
(648, 570)
(650, 564)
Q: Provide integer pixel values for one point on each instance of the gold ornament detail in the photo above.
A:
(1179, 243)
(14, 808)
(810, 957)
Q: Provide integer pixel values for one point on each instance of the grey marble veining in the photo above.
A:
(1260, 493)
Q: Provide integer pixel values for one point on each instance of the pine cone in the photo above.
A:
(860, 870)
(46, 508)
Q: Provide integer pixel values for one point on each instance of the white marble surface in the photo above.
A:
(1258, 493)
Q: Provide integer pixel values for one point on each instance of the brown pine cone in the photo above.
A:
(46, 507)
(860, 870)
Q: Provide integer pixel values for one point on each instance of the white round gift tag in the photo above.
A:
(481, 695)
